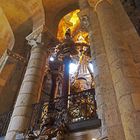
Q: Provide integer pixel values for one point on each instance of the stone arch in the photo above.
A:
(53, 18)
(64, 12)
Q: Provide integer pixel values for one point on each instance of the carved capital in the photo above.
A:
(34, 42)
(41, 37)
(35, 37)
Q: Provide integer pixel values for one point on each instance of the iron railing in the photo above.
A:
(50, 117)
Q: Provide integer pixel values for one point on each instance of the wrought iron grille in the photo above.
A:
(50, 117)
(81, 106)
(4, 122)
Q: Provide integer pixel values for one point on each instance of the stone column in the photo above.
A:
(125, 76)
(129, 32)
(29, 92)
(105, 88)
(107, 107)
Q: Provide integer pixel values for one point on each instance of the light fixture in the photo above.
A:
(51, 58)
(72, 68)
(94, 139)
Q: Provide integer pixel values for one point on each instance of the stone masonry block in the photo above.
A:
(111, 116)
(30, 87)
(24, 100)
(136, 100)
(19, 123)
(22, 111)
(33, 71)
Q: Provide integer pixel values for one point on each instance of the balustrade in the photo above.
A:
(80, 107)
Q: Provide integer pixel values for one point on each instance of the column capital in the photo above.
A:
(35, 37)
(41, 37)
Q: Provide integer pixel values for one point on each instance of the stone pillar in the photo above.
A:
(125, 76)
(104, 84)
(29, 92)
(129, 32)
(107, 107)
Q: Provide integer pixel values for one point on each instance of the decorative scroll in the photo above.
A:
(82, 106)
